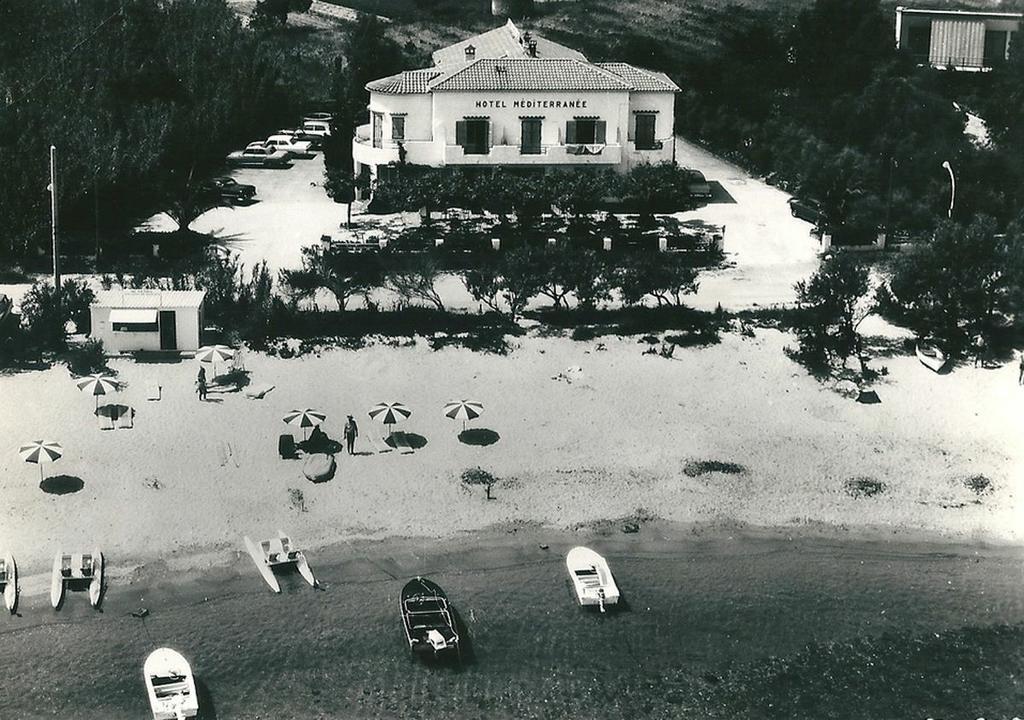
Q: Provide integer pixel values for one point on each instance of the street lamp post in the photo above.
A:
(53, 222)
(952, 187)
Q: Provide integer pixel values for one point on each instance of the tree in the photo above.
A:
(953, 287)
(274, 13)
(837, 300)
(343, 273)
(586, 273)
(187, 200)
(664, 276)
(414, 277)
(519, 280)
(579, 192)
(662, 187)
(483, 283)
(45, 318)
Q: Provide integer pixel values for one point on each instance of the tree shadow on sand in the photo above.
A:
(479, 436)
(61, 485)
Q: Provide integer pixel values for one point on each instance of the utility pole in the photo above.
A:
(952, 187)
(53, 223)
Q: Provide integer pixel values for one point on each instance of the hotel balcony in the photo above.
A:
(417, 152)
(574, 154)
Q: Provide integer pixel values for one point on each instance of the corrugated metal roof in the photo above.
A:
(148, 299)
(530, 74)
(502, 42)
(640, 79)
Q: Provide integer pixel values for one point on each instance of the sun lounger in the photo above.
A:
(126, 419)
(286, 446)
(153, 391)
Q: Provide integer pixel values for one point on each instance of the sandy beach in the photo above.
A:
(608, 442)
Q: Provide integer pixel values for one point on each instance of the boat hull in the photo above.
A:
(591, 578)
(931, 357)
(11, 585)
(261, 564)
(416, 634)
(96, 584)
(175, 697)
(301, 564)
(56, 582)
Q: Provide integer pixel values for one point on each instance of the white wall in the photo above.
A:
(187, 327)
(417, 110)
(663, 104)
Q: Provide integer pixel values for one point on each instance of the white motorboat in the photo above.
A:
(170, 685)
(591, 578)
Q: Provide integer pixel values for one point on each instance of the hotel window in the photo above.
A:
(378, 129)
(585, 131)
(474, 135)
(644, 137)
(531, 137)
(398, 128)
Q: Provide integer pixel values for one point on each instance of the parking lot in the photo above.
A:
(767, 248)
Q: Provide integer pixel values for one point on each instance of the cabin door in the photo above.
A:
(168, 330)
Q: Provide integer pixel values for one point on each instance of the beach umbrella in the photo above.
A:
(214, 354)
(40, 451)
(97, 384)
(463, 410)
(305, 419)
(389, 413)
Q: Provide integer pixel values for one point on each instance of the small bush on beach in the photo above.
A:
(297, 499)
(863, 487)
(89, 357)
(695, 468)
(479, 476)
(978, 484)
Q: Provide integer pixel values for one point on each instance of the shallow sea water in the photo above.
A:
(724, 628)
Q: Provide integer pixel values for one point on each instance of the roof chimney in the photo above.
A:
(470, 52)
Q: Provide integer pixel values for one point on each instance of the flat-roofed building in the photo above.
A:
(147, 320)
(508, 98)
(957, 39)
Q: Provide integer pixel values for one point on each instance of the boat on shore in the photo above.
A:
(427, 619)
(170, 685)
(931, 356)
(9, 581)
(591, 578)
(268, 554)
(77, 568)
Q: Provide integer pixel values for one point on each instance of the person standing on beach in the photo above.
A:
(979, 349)
(351, 433)
(1020, 369)
(201, 383)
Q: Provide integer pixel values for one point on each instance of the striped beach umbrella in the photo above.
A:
(305, 419)
(463, 410)
(40, 451)
(97, 384)
(389, 413)
(214, 354)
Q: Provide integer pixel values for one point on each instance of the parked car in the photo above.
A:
(288, 144)
(320, 128)
(320, 116)
(697, 184)
(806, 209)
(315, 141)
(258, 155)
(230, 190)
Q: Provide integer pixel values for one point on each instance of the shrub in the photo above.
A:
(479, 476)
(695, 468)
(89, 357)
(862, 487)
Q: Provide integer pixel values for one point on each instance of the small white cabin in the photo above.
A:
(148, 320)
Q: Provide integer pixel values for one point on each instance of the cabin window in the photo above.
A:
(474, 135)
(644, 136)
(134, 321)
(531, 137)
(398, 128)
(585, 131)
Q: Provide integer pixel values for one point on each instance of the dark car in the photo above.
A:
(697, 184)
(230, 190)
(805, 209)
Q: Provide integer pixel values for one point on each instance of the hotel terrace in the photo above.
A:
(508, 98)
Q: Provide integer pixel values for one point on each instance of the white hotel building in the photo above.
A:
(506, 98)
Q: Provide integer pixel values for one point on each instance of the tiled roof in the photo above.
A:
(146, 299)
(642, 80)
(530, 74)
(408, 81)
(504, 42)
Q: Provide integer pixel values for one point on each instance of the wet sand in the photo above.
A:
(723, 624)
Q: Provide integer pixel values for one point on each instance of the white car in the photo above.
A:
(259, 155)
(317, 127)
(288, 144)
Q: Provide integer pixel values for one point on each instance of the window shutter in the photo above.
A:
(599, 132)
(570, 132)
(487, 135)
(460, 132)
